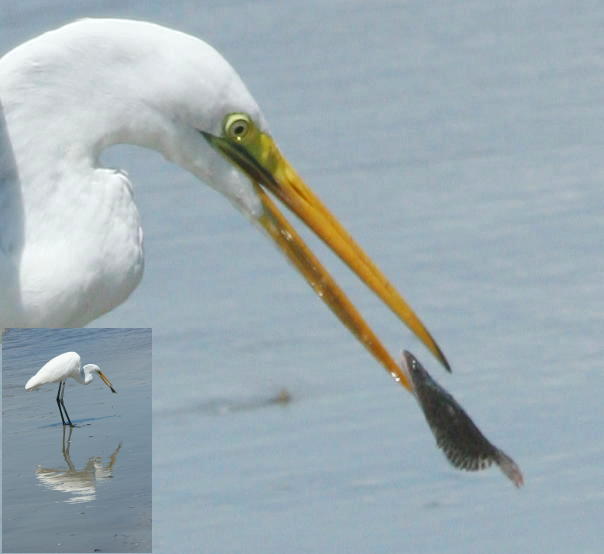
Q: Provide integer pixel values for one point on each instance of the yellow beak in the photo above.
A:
(258, 156)
(106, 380)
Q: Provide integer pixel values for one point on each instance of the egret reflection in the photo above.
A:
(79, 484)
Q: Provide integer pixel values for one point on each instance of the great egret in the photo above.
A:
(61, 368)
(71, 244)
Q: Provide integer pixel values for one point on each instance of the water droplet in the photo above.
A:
(395, 377)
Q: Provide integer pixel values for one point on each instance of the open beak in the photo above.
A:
(259, 157)
(106, 381)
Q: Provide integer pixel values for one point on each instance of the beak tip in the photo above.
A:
(442, 359)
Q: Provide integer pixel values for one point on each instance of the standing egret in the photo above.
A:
(71, 243)
(61, 368)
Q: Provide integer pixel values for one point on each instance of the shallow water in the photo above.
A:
(461, 144)
(87, 488)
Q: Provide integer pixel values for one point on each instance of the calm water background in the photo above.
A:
(102, 505)
(461, 143)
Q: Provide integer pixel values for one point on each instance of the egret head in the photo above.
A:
(90, 370)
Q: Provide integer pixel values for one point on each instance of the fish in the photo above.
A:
(462, 442)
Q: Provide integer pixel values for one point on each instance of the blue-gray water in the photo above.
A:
(461, 144)
(86, 488)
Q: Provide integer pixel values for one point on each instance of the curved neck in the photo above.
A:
(86, 374)
(64, 98)
(67, 109)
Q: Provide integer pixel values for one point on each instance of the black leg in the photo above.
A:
(59, 402)
(64, 408)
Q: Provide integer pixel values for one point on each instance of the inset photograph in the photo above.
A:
(76, 440)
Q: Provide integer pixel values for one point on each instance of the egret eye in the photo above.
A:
(237, 126)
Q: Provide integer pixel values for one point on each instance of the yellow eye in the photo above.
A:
(237, 126)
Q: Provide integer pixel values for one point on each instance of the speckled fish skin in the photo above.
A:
(462, 442)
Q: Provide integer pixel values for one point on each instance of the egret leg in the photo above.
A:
(59, 402)
(64, 408)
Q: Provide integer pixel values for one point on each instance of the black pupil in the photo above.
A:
(239, 129)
